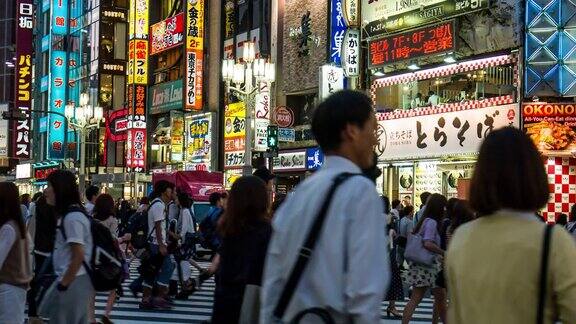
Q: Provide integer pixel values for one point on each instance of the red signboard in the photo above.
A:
(284, 117)
(23, 78)
(136, 135)
(42, 174)
(117, 124)
(552, 127)
(421, 42)
(167, 34)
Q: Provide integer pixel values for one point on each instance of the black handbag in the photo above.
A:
(303, 257)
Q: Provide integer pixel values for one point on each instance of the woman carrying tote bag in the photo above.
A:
(424, 243)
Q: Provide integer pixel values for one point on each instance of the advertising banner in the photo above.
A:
(138, 61)
(194, 53)
(165, 97)
(138, 19)
(177, 136)
(262, 116)
(337, 30)
(351, 12)
(385, 17)
(56, 127)
(286, 135)
(431, 40)
(441, 133)
(290, 161)
(59, 20)
(552, 127)
(234, 135)
(3, 132)
(23, 79)
(117, 125)
(314, 158)
(136, 136)
(199, 139)
(167, 34)
(351, 53)
(331, 80)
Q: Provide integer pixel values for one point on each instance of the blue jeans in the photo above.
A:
(165, 266)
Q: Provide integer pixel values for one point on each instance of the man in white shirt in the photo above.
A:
(92, 193)
(433, 99)
(348, 270)
(158, 248)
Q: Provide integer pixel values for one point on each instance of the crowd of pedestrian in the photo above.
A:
(331, 251)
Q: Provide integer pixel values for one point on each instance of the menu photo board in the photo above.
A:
(552, 127)
(421, 42)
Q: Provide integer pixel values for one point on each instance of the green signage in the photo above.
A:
(165, 97)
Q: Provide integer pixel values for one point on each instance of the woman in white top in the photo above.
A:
(186, 226)
(67, 300)
(15, 272)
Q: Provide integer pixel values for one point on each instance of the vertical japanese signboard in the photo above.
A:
(176, 135)
(234, 135)
(331, 80)
(351, 53)
(337, 30)
(262, 114)
(137, 81)
(59, 20)
(23, 78)
(57, 103)
(3, 132)
(194, 54)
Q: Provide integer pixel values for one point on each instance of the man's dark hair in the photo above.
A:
(424, 197)
(335, 113)
(161, 186)
(37, 196)
(214, 197)
(91, 192)
(562, 220)
(573, 213)
(509, 174)
(395, 203)
(184, 200)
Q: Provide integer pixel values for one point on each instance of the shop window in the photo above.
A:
(105, 97)
(107, 41)
(120, 41)
(119, 156)
(119, 91)
(303, 107)
(480, 84)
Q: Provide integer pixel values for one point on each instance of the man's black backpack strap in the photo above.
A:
(544, 274)
(307, 248)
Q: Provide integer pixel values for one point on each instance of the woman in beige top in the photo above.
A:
(493, 263)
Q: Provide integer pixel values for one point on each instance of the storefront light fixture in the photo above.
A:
(449, 59)
(413, 66)
(379, 73)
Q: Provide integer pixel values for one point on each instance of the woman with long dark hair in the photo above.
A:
(422, 278)
(67, 300)
(494, 264)
(15, 271)
(395, 289)
(104, 212)
(246, 232)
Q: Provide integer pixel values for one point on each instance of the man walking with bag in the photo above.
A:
(328, 251)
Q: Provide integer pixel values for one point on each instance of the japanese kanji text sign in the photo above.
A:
(337, 30)
(440, 134)
(194, 54)
(234, 135)
(199, 139)
(421, 42)
(167, 34)
(57, 88)
(23, 79)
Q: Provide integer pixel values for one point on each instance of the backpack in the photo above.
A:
(210, 239)
(105, 269)
(138, 228)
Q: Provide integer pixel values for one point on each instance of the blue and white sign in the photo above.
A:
(44, 84)
(337, 30)
(314, 158)
(43, 124)
(286, 135)
(45, 43)
(59, 21)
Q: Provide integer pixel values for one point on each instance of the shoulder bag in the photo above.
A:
(415, 250)
(544, 274)
(304, 255)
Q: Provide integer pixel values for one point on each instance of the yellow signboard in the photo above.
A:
(195, 25)
(138, 19)
(138, 61)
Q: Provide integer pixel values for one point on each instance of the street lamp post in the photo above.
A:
(239, 77)
(83, 118)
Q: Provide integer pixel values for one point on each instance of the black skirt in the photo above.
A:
(395, 290)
